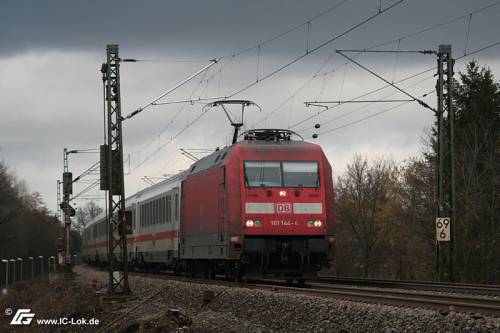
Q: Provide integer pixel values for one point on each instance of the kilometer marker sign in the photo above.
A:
(443, 226)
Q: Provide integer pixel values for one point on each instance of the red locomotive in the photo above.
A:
(262, 206)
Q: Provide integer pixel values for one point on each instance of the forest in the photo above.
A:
(27, 228)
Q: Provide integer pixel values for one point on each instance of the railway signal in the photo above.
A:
(68, 211)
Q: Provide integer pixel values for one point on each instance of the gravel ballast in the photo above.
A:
(250, 310)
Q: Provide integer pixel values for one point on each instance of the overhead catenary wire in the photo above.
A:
(146, 146)
(296, 91)
(85, 190)
(161, 60)
(333, 7)
(399, 39)
(361, 96)
(318, 103)
(407, 36)
(192, 100)
(169, 141)
(399, 105)
(368, 117)
(365, 105)
(142, 108)
(421, 102)
(91, 169)
(438, 25)
(345, 32)
(428, 29)
(294, 28)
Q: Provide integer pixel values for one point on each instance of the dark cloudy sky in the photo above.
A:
(51, 89)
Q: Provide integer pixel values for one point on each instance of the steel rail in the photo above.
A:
(416, 299)
(421, 285)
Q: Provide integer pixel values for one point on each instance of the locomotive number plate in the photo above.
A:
(284, 223)
(283, 208)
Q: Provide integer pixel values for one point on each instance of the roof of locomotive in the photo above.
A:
(219, 156)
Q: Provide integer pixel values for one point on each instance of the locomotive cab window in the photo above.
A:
(262, 174)
(281, 174)
(300, 174)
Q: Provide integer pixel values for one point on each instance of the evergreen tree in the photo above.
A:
(477, 127)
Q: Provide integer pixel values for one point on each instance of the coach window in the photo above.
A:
(141, 214)
(169, 208)
(151, 216)
(300, 174)
(148, 212)
(162, 210)
(262, 174)
(157, 211)
(153, 212)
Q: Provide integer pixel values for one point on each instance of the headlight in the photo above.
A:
(314, 223)
(253, 223)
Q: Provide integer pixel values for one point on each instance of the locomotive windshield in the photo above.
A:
(263, 174)
(300, 174)
(281, 174)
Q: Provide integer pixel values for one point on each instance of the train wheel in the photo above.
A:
(289, 282)
(301, 282)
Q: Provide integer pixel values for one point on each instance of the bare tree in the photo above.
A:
(363, 191)
(86, 214)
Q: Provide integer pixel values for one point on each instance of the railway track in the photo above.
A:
(413, 298)
(477, 289)
(408, 298)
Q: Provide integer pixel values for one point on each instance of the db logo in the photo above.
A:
(22, 317)
(283, 208)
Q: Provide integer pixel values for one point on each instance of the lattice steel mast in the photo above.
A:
(112, 178)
